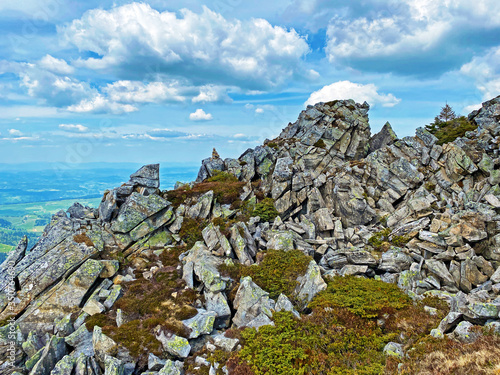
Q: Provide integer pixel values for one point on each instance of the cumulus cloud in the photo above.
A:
(350, 90)
(211, 94)
(15, 132)
(205, 47)
(485, 70)
(200, 115)
(77, 128)
(101, 104)
(55, 65)
(409, 34)
(140, 92)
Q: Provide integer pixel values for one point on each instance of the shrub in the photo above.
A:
(265, 210)
(363, 297)
(162, 301)
(225, 186)
(276, 274)
(83, 238)
(191, 229)
(381, 240)
(320, 143)
(448, 131)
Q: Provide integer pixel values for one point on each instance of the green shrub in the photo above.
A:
(320, 143)
(191, 229)
(363, 297)
(448, 131)
(222, 177)
(276, 274)
(266, 210)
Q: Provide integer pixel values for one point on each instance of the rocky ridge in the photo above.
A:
(405, 211)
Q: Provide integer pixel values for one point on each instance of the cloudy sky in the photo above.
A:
(165, 81)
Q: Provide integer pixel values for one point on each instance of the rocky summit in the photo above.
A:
(327, 250)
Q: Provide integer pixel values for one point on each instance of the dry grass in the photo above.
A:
(450, 357)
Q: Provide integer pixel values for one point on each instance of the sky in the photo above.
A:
(166, 81)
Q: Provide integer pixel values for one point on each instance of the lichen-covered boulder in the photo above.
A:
(201, 324)
(250, 301)
(310, 284)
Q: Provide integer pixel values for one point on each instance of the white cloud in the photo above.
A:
(349, 90)
(211, 94)
(73, 128)
(200, 115)
(485, 70)
(55, 65)
(15, 133)
(259, 110)
(100, 104)
(139, 92)
(205, 47)
(393, 35)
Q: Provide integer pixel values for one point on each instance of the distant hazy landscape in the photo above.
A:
(31, 193)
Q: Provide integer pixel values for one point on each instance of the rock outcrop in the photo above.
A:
(406, 211)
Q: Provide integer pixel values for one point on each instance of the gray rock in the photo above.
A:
(310, 284)
(283, 169)
(464, 333)
(217, 303)
(103, 345)
(225, 343)
(323, 220)
(81, 341)
(53, 352)
(450, 321)
(155, 363)
(259, 321)
(395, 260)
(201, 263)
(284, 304)
(250, 301)
(394, 349)
(350, 269)
(172, 368)
(386, 136)
(201, 324)
(147, 176)
(113, 366)
(65, 366)
(427, 138)
(175, 345)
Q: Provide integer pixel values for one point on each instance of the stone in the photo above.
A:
(225, 343)
(175, 345)
(135, 210)
(351, 269)
(113, 366)
(103, 345)
(54, 351)
(172, 368)
(386, 136)
(259, 321)
(216, 241)
(426, 137)
(395, 260)
(201, 324)
(464, 333)
(64, 326)
(439, 269)
(110, 268)
(155, 363)
(284, 304)
(147, 176)
(484, 310)
(200, 262)
(281, 240)
(323, 220)
(393, 349)
(310, 284)
(450, 321)
(495, 278)
(32, 344)
(283, 169)
(431, 237)
(436, 333)
(250, 301)
(81, 341)
(65, 366)
(217, 303)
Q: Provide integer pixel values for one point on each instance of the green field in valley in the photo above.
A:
(17, 220)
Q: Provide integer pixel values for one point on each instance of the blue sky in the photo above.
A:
(164, 81)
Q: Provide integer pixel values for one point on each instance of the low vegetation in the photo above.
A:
(276, 274)
(162, 301)
(382, 240)
(225, 186)
(447, 126)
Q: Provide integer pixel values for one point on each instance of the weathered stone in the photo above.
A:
(225, 343)
(350, 269)
(110, 268)
(216, 241)
(385, 137)
(310, 284)
(284, 304)
(155, 363)
(175, 345)
(217, 303)
(200, 262)
(81, 341)
(395, 260)
(393, 349)
(148, 176)
(323, 220)
(172, 368)
(54, 351)
(464, 333)
(439, 269)
(250, 301)
(136, 209)
(201, 324)
(113, 366)
(103, 345)
(65, 366)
